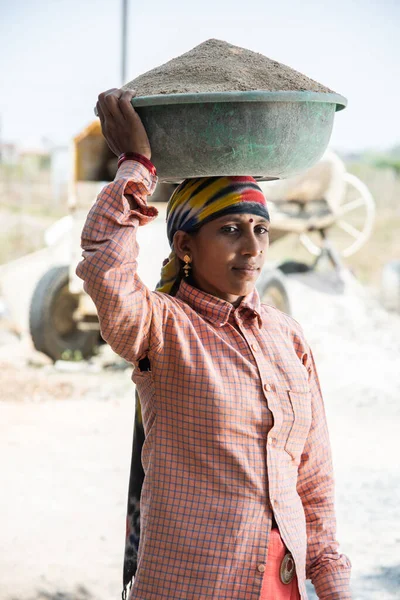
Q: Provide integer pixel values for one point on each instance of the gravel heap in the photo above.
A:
(216, 66)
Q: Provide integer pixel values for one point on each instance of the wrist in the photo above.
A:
(141, 158)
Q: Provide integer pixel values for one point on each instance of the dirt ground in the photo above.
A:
(65, 441)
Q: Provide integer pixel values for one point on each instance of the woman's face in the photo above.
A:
(227, 254)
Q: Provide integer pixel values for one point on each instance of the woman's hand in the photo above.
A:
(120, 123)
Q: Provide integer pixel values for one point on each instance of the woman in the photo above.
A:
(238, 495)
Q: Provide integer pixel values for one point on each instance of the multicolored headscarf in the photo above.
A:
(200, 200)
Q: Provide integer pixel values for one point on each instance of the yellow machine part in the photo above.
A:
(93, 160)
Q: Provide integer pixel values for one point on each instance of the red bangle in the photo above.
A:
(138, 158)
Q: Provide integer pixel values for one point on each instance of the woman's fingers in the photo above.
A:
(99, 113)
(125, 103)
(121, 124)
(109, 102)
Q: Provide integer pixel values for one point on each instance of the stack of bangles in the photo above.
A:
(138, 158)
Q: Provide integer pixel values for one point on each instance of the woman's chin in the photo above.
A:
(244, 279)
(245, 288)
(228, 287)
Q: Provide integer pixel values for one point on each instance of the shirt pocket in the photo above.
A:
(300, 407)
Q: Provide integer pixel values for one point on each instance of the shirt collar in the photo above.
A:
(218, 311)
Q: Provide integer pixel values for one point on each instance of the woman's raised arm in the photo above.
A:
(129, 313)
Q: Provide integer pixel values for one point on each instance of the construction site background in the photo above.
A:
(31, 199)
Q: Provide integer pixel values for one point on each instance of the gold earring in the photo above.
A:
(187, 266)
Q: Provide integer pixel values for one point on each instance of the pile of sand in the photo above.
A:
(216, 66)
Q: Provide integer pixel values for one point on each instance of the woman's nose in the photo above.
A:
(251, 245)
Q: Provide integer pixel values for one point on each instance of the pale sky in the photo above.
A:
(56, 57)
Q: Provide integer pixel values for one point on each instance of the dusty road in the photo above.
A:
(65, 448)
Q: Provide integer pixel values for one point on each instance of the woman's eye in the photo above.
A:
(232, 229)
(229, 229)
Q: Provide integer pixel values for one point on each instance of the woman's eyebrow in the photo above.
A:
(241, 219)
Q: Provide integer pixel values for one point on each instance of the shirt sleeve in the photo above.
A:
(129, 313)
(328, 570)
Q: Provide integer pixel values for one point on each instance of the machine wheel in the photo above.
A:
(51, 318)
(272, 289)
(354, 223)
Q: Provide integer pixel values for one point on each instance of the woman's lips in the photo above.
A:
(246, 271)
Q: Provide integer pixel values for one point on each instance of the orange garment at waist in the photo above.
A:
(272, 586)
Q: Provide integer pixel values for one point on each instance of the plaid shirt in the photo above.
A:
(234, 421)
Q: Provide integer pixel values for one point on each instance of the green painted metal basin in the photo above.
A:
(269, 135)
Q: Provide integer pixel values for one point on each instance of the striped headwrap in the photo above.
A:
(200, 200)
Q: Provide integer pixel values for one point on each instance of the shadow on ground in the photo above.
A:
(385, 579)
(80, 593)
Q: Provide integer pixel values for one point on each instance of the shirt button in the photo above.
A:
(267, 387)
(271, 441)
(261, 568)
(254, 348)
